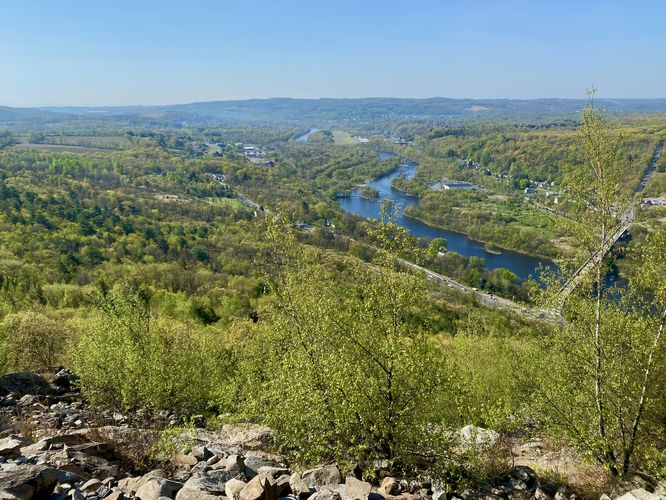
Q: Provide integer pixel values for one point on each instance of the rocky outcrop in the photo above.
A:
(28, 481)
(53, 446)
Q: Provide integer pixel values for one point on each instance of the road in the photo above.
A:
(487, 299)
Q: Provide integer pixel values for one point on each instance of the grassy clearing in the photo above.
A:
(342, 138)
(657, 185)
(56, 148)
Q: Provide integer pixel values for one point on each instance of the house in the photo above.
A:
(530, 190)
(455, 185)
(653, 202)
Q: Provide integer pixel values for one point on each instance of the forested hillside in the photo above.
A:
(209, 277)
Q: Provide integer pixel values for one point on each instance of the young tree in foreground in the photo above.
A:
(352, 372)
(597, 378)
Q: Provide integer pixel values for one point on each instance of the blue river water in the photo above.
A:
(522, 265)
(304, 137)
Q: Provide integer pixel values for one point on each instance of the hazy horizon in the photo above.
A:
(159, 53)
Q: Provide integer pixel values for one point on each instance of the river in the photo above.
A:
(522, 265)
(304, 137)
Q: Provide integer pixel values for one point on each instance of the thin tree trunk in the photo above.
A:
(641, 404)
(608, 453)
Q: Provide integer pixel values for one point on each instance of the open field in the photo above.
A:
(86, 141)
(56, 148)
(343, 138)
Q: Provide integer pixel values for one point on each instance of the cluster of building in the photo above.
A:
(219, 178)
(653, 202)
(446, 185)
(401, 141)
(256, 156)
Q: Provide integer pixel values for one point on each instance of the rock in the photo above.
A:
(299, 488)
(356, 489)
(235, 464)
(23, 383)
(76, 495)
(157, 487)
(28, 481)
(131, 485)
(114, 495)
(90, 486)
(282, 487)
(270, 487)
(201, 453)
(478, 435)
(247, 437)
(629, 483)
(389, 486)
(274, 472)
(254, 490)
(233, 488)
(638, 494)
(41, 445)
(12, 444)
(28, 400)
(181, 459)
(322, 476)
(188, 494)
(212, 481)
(253, 464)
(62, 381)
(326, 494)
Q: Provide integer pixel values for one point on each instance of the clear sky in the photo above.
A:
(93, 52)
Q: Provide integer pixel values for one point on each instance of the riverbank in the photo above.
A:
(522, 264)
(497, 251)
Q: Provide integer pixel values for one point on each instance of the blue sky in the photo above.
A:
(70, 52)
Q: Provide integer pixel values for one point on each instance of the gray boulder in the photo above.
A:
(157, 487)
(12, 444)
(322, 476)
(233, 488)
(356, 489)
(28, 481)
(299, 488)
(23, 383)
(188, 494)
(255, 489)
(639, 494)
(326, 494)
(252, 464)
(235, 464)
(211, 481)
(389, 486)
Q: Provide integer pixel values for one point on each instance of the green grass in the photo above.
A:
(342, 138)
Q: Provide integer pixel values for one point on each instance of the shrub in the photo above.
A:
(32, 341)
(338, 367)
(128, 358)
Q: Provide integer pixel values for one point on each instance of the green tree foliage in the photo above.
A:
(32, 341)
(597, 377)
(128, 358)
(352, 372)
